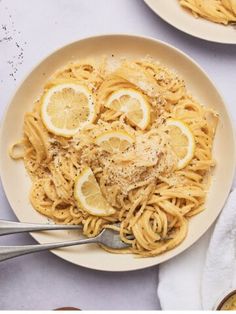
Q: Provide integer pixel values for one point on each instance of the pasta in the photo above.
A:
(218, 11)
(152, 198)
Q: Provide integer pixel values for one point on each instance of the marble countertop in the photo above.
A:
(29, 30)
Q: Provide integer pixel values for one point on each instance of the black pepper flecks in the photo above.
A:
(10, 37)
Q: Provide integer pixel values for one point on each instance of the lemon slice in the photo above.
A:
(182, 141)
(115, 141)
(66, 108)
(133, 103)
(89, 196)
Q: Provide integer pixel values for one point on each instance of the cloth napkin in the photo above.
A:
(200, 276)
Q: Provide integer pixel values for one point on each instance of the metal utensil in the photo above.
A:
(10, 227)
(107, 237)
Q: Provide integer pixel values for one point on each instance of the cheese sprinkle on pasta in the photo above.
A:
(152, 198)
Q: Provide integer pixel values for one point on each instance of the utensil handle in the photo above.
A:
(7, 252)
(10, 227)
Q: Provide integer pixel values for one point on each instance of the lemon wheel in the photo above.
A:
(66, 108)
(133, 103)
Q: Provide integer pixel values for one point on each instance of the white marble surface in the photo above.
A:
(29, 30)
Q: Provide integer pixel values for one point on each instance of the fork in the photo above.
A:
(108, 237)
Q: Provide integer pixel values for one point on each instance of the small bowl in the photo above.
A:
(225, 298)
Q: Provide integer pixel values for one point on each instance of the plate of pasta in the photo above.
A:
(212, 20)
(121, 137)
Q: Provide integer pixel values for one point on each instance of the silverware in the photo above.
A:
(107, 237)
(10, 227)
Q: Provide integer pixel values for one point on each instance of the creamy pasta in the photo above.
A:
(152, 198)
(218, 11)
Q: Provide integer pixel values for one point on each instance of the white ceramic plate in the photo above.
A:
(171, 12)
(17, 183)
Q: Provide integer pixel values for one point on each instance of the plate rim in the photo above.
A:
(107, 35)
(190, 33)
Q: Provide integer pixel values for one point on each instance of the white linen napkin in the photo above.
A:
(198, 277)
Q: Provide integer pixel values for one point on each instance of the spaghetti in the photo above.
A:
(218, 11)
(153, 200)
